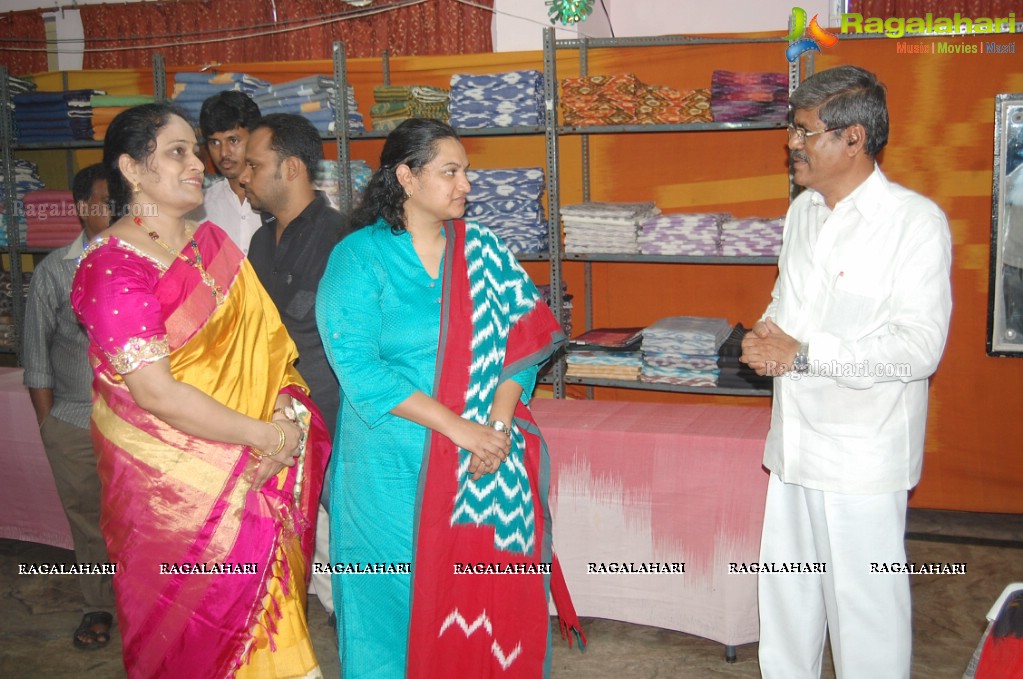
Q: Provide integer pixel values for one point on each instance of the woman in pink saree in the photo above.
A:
(210, 453)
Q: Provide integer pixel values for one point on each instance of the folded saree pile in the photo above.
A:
(510, 99)
(50, 218)
(397, 103)
(328, 177)
(312, 97)
(611, 228)
(683, 234)
(105, 108)
(25, 180)
(731, 373)
(53, 116)
(191, 89)
(683, 350)
(623, 99)
(612, 365)
(751, 237)
(566, 305)
(17, 85)
(8, 335)
(749, 97)
(507, 201)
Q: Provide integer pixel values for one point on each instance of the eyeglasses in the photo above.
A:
(801, 134)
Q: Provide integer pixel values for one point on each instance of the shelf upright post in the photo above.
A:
(12, 210)
(159, 77)
(550, 96)
(385, 64)
(341, 128)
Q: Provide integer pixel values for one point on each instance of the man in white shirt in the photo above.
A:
(856, 326)
(224, 121)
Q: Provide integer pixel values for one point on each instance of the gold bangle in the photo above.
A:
(281, 441)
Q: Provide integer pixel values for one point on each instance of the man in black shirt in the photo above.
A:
(289, 253)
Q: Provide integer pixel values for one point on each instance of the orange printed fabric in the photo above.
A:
(625, 100)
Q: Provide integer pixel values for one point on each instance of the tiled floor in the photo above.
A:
(39, 614)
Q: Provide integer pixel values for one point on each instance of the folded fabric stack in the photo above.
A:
(508, 202)
(192, 89)
(731, 373)
(26, 179)
(566, 305)
(328, 180)
(611, 365)
(8, 332)
(691, 235)
(17, 85)
(751, 237)
(397, 103)
(625, 100)
(311, 97)
(610, 228)
(749, 97)
(105, 108)
(507, 99)
(50, 219)
(53, 116)
(683, 350)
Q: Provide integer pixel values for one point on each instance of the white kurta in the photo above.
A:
(867, 285)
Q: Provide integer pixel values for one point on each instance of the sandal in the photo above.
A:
(93, 632)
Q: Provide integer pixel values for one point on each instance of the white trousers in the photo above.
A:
(867, 613)
(320, 582)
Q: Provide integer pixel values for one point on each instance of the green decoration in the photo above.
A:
(569, 11)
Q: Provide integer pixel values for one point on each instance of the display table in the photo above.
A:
(30, 509)
(637, 483)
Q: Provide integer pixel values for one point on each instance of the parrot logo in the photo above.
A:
(817, 35)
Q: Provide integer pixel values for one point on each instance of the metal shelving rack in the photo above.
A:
(8, 147)
(554, 131)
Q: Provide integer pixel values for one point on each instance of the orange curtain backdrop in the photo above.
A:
(20, 30)
(232, 31)
(918, 8)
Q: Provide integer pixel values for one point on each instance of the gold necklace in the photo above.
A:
(215, 290)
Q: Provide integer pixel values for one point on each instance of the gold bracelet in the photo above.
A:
(280, 443)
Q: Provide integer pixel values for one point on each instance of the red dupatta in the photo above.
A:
(484, 565)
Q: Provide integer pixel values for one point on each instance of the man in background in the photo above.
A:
(59, 381)
(225, 121)
(289, 254)
(856, 326)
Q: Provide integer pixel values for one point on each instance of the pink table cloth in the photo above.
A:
(638, 483)
(30, 508)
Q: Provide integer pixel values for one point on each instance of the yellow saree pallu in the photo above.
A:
(211, 576)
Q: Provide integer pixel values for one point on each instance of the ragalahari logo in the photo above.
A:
(817, 36)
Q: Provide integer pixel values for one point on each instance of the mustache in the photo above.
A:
(798, 155)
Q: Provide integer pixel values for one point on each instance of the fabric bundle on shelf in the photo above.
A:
(192, 89)
(683, 234)
(566, 305)
(683, 350)
(397, 103)
(50, 218)
(8, 332)
(311, 97)
(507, 201)
(328, 176)
(749, 97)
(510, 99)
(751, 237)
(609, 228)
(623, 99)
(53, 116)
(105, 108)
(611, 365)
(26, 179)
(17, 85)
(731, 373)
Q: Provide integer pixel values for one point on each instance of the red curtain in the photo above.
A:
(18, 31)
(917, 8)
(231, 31)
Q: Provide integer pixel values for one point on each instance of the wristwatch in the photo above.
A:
(288, 412)
(801, 363)
(498, 425)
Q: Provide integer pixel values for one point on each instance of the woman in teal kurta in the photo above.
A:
(379, 310)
